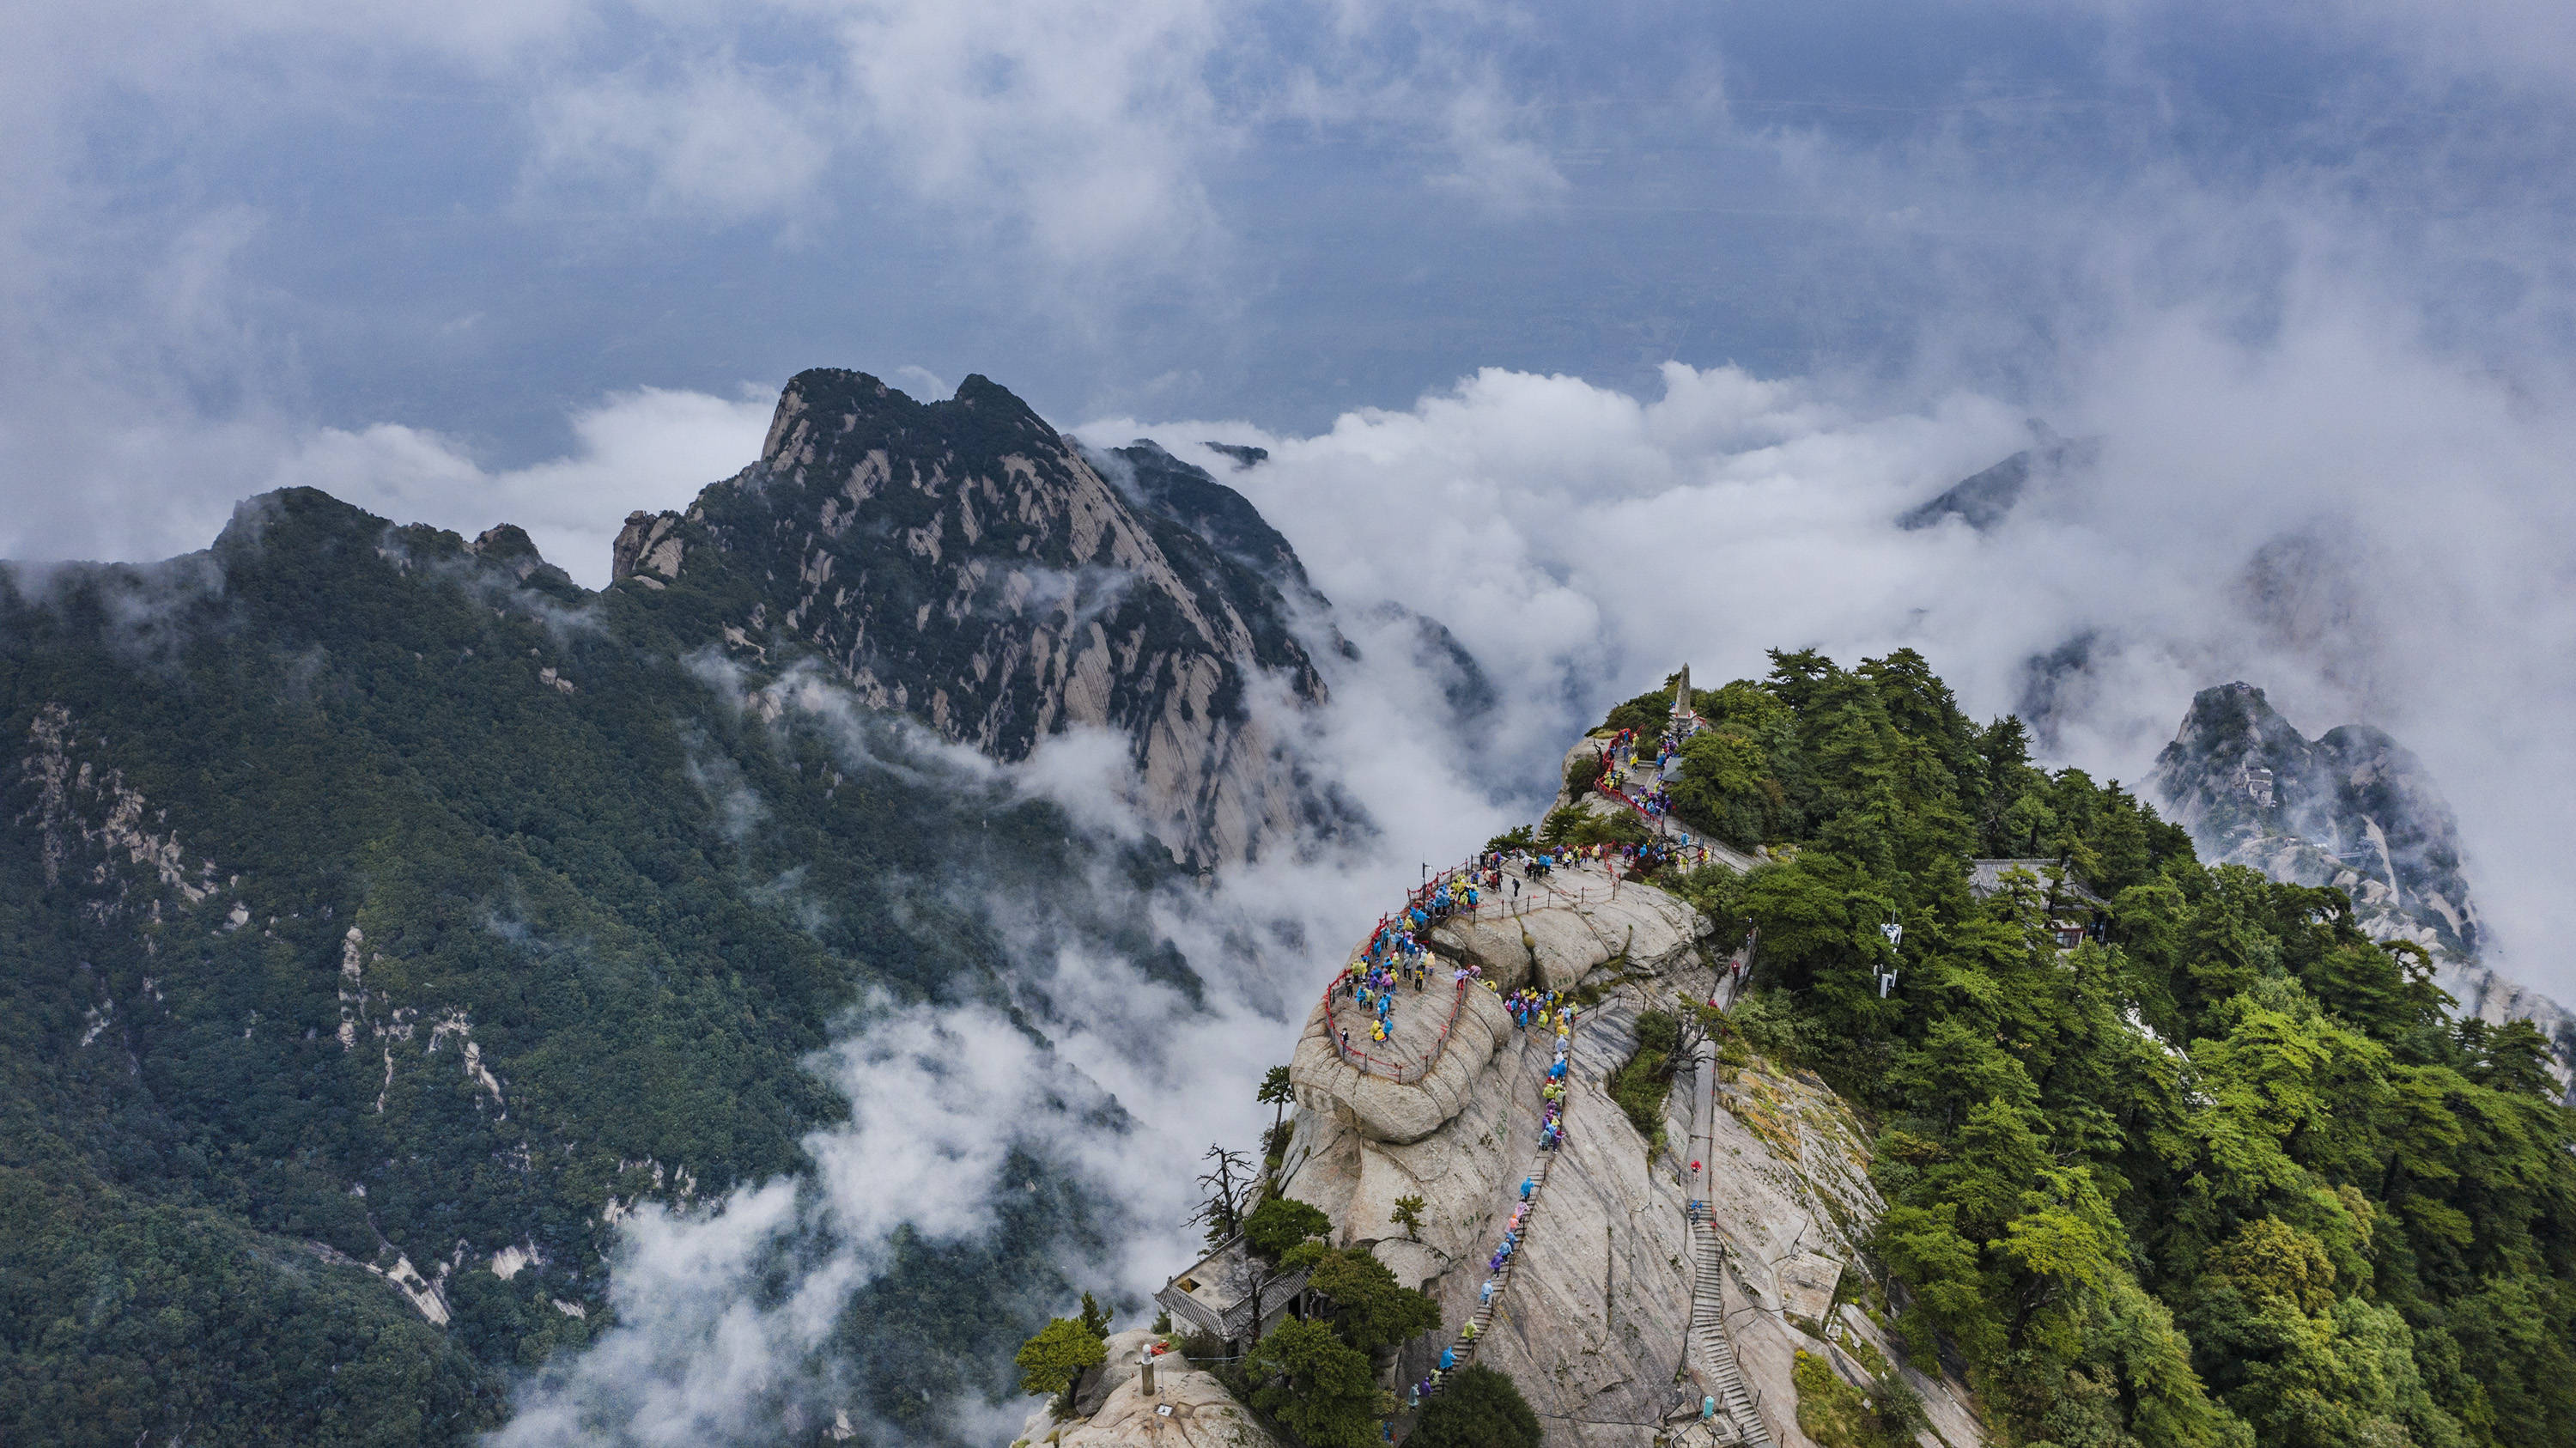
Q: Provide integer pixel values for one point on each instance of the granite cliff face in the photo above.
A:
(963, 562)
(1596, 1320)
(2353, 809)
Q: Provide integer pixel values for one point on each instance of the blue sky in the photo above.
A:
(1694, 293)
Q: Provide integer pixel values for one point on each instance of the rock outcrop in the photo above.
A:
(2353, 809)
(1187, 1409)
(1594, 1324)
(967, 564)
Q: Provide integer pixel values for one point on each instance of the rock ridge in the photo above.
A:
(965, 563)
(1596, 1319)
(2353, 809)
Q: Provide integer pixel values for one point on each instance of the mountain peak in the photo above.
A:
(964, 562)
(1983, 500)
(980, 390)
(260, 515)
(2353, 809)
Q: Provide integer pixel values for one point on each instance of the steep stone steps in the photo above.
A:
(1542, 1161)
(1710, 1345)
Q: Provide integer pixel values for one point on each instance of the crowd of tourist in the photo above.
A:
(1531, 1009)
(1617, 757)
(1396, 956)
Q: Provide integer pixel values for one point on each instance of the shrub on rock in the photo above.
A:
(1050, 1361)
(1477, 1407)
(1281, 1223)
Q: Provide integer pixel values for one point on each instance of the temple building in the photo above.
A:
(1222, 1291)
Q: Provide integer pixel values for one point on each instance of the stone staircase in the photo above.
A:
(1711, 1347)
(1484, 1315)
(1486, 1312)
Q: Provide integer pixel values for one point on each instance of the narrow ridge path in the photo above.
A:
(1711, 1345)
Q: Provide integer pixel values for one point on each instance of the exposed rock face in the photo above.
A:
(90, 820)
(965, 563)
(1595, 1319)
(1553, 947)
(1114, 1411)
(1163, 485)
(2355, 810)
(1983, 500)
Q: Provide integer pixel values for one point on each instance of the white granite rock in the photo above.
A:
(1188, 1409)
(1381, 1108)
(1595, 1318)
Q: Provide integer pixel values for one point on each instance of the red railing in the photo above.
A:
(1375, 1065)
(1396, 1071)
(1602, 783)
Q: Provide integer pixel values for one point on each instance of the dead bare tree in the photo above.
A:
(1228, 1187)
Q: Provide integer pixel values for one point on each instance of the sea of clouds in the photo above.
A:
(2325, 349)
(1581, 543)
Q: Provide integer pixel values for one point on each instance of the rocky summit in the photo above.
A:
(1820, 1072)
(963, 562)
(1693, 1258)
(2354, 810)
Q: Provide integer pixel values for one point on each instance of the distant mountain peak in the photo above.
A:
(2353, 809)
(1984, 499)
(964, 562)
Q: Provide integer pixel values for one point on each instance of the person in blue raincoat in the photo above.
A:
(1448, 1358)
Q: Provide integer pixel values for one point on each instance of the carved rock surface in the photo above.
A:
(1202, 1414)
(1383, 1109)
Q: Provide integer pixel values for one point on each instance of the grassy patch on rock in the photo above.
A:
(1640, 1085)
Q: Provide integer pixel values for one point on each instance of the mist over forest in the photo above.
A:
(694, 697)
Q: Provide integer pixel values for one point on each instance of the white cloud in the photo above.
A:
(1583, 542)
(1076, 130)
(651, 448)
(724, 1315)
(1493, 158)
(719, 139)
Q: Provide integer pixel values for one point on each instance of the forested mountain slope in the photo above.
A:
(2230, 1175)
(370, 898)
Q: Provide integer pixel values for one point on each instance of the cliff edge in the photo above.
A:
(1593, 1316)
